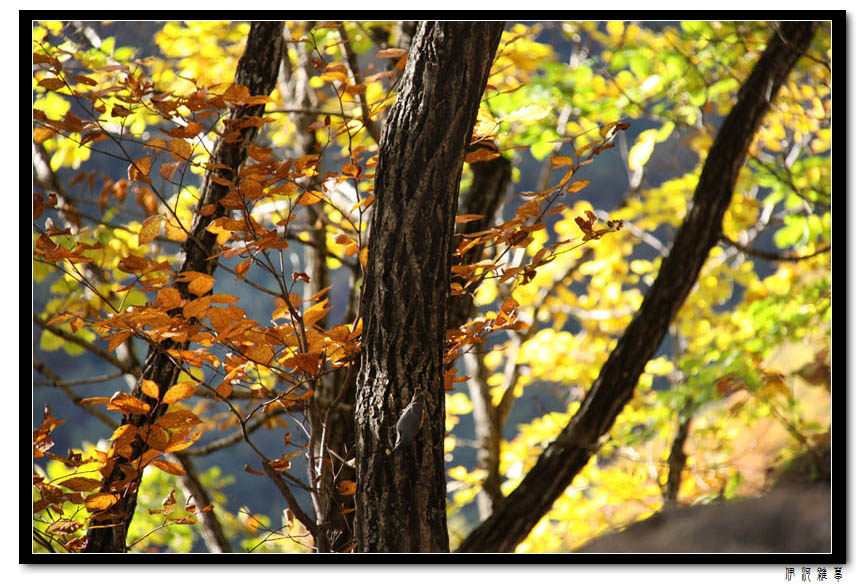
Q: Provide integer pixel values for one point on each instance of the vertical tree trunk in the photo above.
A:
(257, 70)
(401, 497)
(564, 458)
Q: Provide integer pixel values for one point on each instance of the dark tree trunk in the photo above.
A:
(401, 497)
(563, 459)
(257, 70)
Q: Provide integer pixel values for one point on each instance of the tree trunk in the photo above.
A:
(563, 459)
(257, 70)
(401, 497)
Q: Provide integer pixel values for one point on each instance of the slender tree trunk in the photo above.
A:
(613, 388)
(490, 180)
(401, 497)
(257, 70)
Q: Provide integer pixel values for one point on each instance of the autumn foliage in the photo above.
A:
(264, 340)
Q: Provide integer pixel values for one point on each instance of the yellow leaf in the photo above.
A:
(530, 113)
(642, 149)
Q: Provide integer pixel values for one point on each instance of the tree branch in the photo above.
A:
(773, 256)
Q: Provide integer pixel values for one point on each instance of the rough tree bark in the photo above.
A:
(257, 70)
(401, 497)
(564, 458)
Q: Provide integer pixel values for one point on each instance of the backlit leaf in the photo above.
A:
(169, 467)
(127, 404)
(179, 391)
(149, 229)
(100, 501)
(150, 388)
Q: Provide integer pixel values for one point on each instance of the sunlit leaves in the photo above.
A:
(561, 280)
(101, 501)
(169, 467)
(127, 404)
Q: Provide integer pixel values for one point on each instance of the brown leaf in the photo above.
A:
(81, 484)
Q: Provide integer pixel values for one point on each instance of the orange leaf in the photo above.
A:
(117, 339)
(346, 487)
(315, 313)
(179, 391)
(196, 308)
(306, 362)
(168, 169)
(180, 149)
(42, 133)
(468, 218)
(100, 501)
(174, 232)
(167, 298)
(250, 470)
(93, 401)
(481, 155)
(149, 229)
(127, 404)
(577, 186)
(150, 388)
(200, 284)
(310, 198)
(169, 467)
(181, 440)
(178, 419)
(558, 161)
(139, 170)
(509, 305)
(390, 53)
(260, 353)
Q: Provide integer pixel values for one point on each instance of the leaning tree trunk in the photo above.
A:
(564, 458)
(401, 497)
(257, 70)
